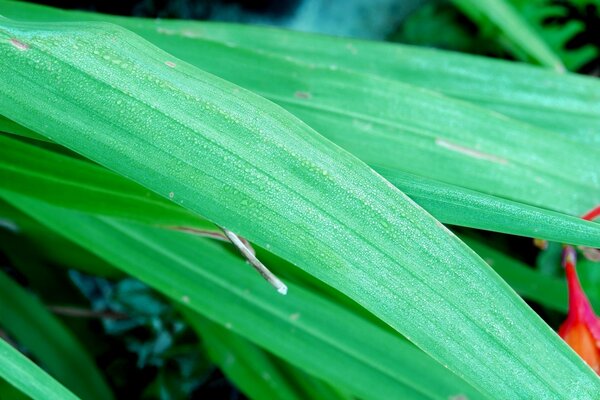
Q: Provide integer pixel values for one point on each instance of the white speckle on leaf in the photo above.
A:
(470, 152)
(175, 32)
(165, 31)
(295, 316)
(170, 64)
(185, 299)
(171, 195)
(188, 33)
(19, 45)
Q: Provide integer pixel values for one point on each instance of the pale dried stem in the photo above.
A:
(255, 262)
(210, 234)
(85, 313)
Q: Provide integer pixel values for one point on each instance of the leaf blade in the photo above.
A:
(522, 35)
(51, 342)
(393, 248)
(28, 377)
(292, 327)
(77, 184)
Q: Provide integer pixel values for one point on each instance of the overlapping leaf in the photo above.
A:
(28, 378)
(303, 328)
(513, 27)
(334, 86)
(77, 184)
(41, 333)
(246, 164)
(256, 372)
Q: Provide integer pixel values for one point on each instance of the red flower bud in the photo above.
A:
(581, 330)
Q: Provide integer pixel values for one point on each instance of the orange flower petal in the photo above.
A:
(581, 340)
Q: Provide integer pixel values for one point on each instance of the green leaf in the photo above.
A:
(568, 104)
(33, 326)
(548, 291)
(534, 284)
(455, 205)
(28, 377)
(83, 186)
(557, 35)
(311, 387)
(259, 374)
(25, 233)
(8, 391)
(6, 125)
(247, 165)
(303, 328)
(377, 119)
(516, 29)
(244, 364)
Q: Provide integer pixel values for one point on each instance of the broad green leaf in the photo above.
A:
(246, 365)
(6, 125)
(258, 373)
(303, 328)
(49, 247)
(245, 164)
(389, 124)
(27, 377)
(313, 388)
(77, 184)
(33, 326)
(548, 291)
(532, 284)
(502, 14)
(565, 103)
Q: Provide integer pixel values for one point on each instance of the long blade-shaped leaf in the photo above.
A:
(249, 166)
(303, 328)
(77, 184)
(28, 377)
(521, 35)
(564, 103)
(25, 232)
(568, 104)
(548, 291)
(391, 125)
(249, 367)
(53, 344)
(7, 125)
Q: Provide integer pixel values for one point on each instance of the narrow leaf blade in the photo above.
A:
(323, 209)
